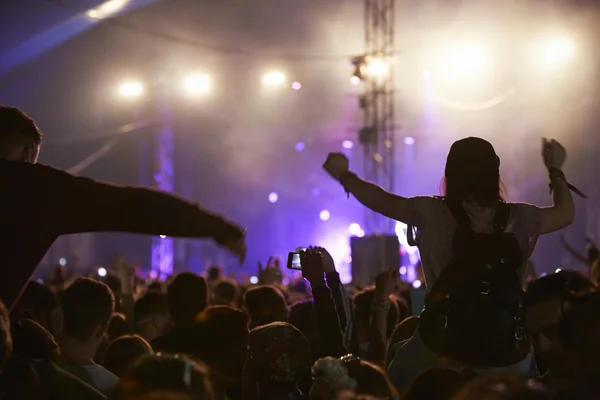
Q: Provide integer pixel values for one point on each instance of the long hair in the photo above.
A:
(473, 173)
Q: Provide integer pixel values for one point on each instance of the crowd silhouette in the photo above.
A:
(490, 329)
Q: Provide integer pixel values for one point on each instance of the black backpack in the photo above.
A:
(474, 313)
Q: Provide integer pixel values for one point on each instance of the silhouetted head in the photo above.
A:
(187, 296)
(20, 138)
(473, 173)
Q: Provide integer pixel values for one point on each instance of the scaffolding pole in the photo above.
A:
(376, 70)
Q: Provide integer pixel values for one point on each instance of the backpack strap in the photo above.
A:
(459, 213)
(501, 217)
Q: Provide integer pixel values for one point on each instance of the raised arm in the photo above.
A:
(562, 212)
(368, 194)
(77, 205)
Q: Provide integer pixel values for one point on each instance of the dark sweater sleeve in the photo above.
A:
(78, 205)
(332, 343)
(342, 305)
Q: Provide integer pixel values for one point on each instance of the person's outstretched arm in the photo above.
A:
(368, 194)
(562, 213)
(77, 205)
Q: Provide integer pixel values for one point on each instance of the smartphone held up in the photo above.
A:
(294, 259)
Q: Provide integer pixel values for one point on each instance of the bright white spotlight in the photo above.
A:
(273, 78)
(162, 236)
(355, 229)
(325, 215)
(466, 60)
(355, 80)
(131, 89)
(273, 197)
(253, 280)
(416, 284)
(296, 86)
(426, 74)
(377, 67)
(409, 140)
(107, 9)
(403, 270)
(101, 271)
(347, 144)
(198, 83)
(300, 146)
(557, 51)
(62, 261)
(557, 270)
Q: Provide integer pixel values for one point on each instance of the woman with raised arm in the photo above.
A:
(474, 247)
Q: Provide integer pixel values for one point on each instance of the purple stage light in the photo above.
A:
(300, 146)
(347, 144)
(409, 140)
(273, 197)
(296, 86)
(325, 215)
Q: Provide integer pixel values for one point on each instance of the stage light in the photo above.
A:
(62, 261)
(347, 144)
(425, 74)
(273, 78)
(101, 271)
(296, 86)
(403, 270)
(162, 236)
(557, 51)
(355, 80)
(325, 215)
(409, 140)
(253, 280)
(417, 284)
(300, 146)
(107, 9)
(273, 197)
(198, 83)
(467, 60)
(377, 67)
(131, 89)
(557, 270)
(355, 229)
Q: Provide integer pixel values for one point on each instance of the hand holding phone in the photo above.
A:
(312, 267)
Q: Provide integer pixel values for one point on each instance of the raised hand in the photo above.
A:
(386, 282)
(328, 263)
(336, 164)
(313, 271)
(238, 247)
(271, 274)
(553, 153)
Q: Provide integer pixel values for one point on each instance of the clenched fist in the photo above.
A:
(336, 164)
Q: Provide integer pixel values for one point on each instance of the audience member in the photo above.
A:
(221, 343)
(164, 377)
(151, 315)
(37, 302)
(187, 296)
(117, 326)
(362, 315)
(265, 304)
(87, 306)
(225, 293)
(123, 351)
(333, 376)
(279, 358)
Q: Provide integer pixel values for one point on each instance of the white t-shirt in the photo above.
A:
(436, 227)
(93, 374)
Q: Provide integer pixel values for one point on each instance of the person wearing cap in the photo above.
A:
(472, 179)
